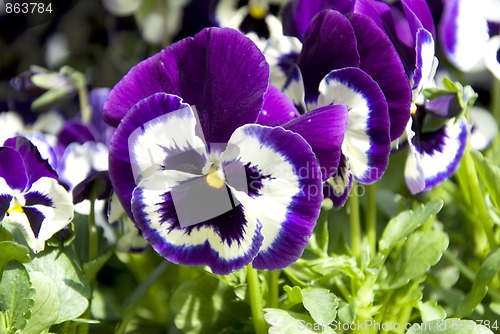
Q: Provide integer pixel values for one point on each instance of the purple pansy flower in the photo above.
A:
(30, 197)
(434, 151)
(204, 184)
(346, 59)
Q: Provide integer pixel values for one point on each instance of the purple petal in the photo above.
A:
(289, 201)
(120, 168)
(324, 130)
(329, 44)
(4, 204)
(393, 22)
(366, 142)
(83, 190)
(224, 243)
(381, 61)
(297, 14)
(13, 169)
(277, 108)
(75, 131)
(440, 152)
(444, 106)
(35, 218)
(36, 166)
(37, 198)
(338, 187)
(220, 72)
(419, 11)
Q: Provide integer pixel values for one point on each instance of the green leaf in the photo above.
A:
(401, 226)
(321, 304)
(12, 251)
(91, 268)
(490, 174)
(347, 313)
(421, 251)
(294, 295)
(5, 234)
(63, 268)
(49, 97)
(16, 296)
(430, 310)
(449, 326)
(287, 322)
(484, 276)
(207, 305)
(432, 93)
(46, 304)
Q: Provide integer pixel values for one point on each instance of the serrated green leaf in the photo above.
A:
(16, 296)
(46, 305)
(206, 305)
(321, 304)
(401, 226)
(430, 311)
(421, 251)
(12, 251)
(449, 326)
(490, 174)
(294, 295)
(63, 268)
(488, 270)
(287, 322)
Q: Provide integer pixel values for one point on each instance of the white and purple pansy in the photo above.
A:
(468, 32)
(436, 142)
(202, 181)
(30, 197)
(346, 59)
(433, 155)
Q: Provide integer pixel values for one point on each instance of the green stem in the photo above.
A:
(355, 225)
(478, 198)
(93, 236)
(273, 288)
(255, 295)
(404, 317)
(495, 98)
(468, 273)
(371, 218)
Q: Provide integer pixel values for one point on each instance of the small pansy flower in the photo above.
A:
(205, 185)
(30, 197)
(348, 60)
(469, 34)
(436, 141)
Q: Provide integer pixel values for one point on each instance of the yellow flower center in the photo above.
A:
(16, 207)
(215, 180)
(413, 108)
(257, 13)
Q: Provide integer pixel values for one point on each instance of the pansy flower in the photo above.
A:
(436, 141)
(256, 18)
(205, 185)
(348, 60)
(469, 34)
(30, 197)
